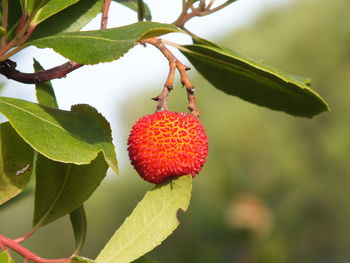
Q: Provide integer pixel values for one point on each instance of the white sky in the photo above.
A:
(105, 85)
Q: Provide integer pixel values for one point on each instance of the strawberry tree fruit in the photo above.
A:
(167, 144)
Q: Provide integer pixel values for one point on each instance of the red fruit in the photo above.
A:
(167, 144)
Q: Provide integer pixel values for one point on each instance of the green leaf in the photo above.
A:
(253, 81)
(79, 259)
(104, 142)
(134, 5)
(32, 5)
(62, 188)
(2, 31)
(144, 260)
(23, 4)
(15, 12)
(91, 47)
(78, 220)
(50, 8)
(44, 91)
(140, 10)
(75, 136)
(14, 15)
(201, 41)
(15, 163)
(71, 19)
(304, 80)
(5, 257)
(151, 222)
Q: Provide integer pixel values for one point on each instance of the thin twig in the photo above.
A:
(201, 10)
(9, 243)
(210, 11)
(22, 21)
(21, 36)
(174, 64)
(105, 11)
(22, 238)
(8, 69)
(210, 4)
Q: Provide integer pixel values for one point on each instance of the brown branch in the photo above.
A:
(201, 10)
(8, 69)
(174, 64)
(105, 11)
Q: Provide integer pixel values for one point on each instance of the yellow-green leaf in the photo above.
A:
(152, 221)
(5, 257)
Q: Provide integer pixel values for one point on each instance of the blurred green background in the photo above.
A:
(275, 188)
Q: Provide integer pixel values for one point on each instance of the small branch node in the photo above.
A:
(169, 87)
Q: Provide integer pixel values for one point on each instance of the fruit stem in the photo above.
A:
(174, 64)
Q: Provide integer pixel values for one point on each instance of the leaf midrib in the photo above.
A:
(59, 194)
(141, 232)
(84, 37)
(248, 62)
(36, 116)
(53, 124)
(228, 64)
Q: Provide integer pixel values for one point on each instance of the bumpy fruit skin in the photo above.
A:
(167, 144)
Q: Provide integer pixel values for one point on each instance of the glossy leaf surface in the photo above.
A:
(70, 19)
(51, 8)
(92, 47)
(253, 81)
(75, 136)
(32, 5)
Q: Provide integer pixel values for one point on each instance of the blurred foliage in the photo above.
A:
(288, 177)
